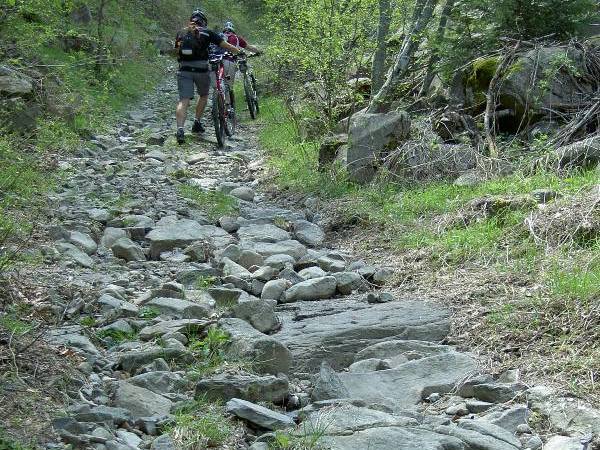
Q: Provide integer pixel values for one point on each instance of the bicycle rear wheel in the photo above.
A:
(218, 116)
(255, 90)
(249, 94)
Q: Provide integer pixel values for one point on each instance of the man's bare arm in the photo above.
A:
(227, 46)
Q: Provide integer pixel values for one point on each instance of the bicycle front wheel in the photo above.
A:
(249, 94)
(230, 117)
(218, 116)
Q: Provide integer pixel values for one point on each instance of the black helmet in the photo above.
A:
(198, 17)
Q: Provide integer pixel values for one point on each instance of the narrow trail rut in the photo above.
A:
(313, 335)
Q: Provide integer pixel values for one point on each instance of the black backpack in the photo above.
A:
(191, 45)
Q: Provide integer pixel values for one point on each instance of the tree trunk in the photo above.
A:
(435, 54)
(411, 43)
(378, 71)
(489, 122)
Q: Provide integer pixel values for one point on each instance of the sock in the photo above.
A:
(197, 120)
(180, 128)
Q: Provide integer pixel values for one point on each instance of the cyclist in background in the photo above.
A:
(230, 36)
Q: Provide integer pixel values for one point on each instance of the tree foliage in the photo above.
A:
(322, 41)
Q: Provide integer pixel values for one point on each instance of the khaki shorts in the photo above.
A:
(187, 80)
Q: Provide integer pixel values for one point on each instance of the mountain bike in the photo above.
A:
(250, 91)
(222, 113)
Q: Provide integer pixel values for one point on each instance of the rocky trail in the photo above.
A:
(315, 345)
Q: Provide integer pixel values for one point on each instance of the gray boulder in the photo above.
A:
(274, 290)
(160, 382)
(263, 233)
(128, 250)
(258, 313)
(566, 415)
(347, 282)
(312, 272)
(112, 235)
(258, 415)
(173, 326)
(180, 309)
(292, 248)
(336, 331)
(369, 136)
(75, 254)
(83, 241)
(139, 401)
(249, 387)
(308, 233)
(418, 379)
(267, 354)
(243, 193)
(183, 233)
(313, 289)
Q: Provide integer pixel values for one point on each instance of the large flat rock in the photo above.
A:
(393, 438)
(336, 330)
(408, 384)
(184, 232)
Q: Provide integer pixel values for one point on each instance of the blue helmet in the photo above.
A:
(229, 26)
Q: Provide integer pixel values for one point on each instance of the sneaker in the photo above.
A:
(198, 127)
(180, 136)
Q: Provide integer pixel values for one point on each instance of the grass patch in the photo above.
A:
(15, 326)
(208, 352)
(203, 283)
(199, 425)
(214, 204)
(306, 437)
(6, 443)
(114, 337)
(88, 322)
(149, 312)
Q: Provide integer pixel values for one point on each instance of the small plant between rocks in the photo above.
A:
(214, 204)
(200, 425)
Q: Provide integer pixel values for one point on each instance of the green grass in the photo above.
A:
(6, 443)
(149, 312)
(214, 204)
(203, 283)
(208, 352)
(115, 337)
(199, 425)
(88, 322)
(307, 436)
(14, 325)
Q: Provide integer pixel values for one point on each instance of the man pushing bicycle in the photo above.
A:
(192, 44)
